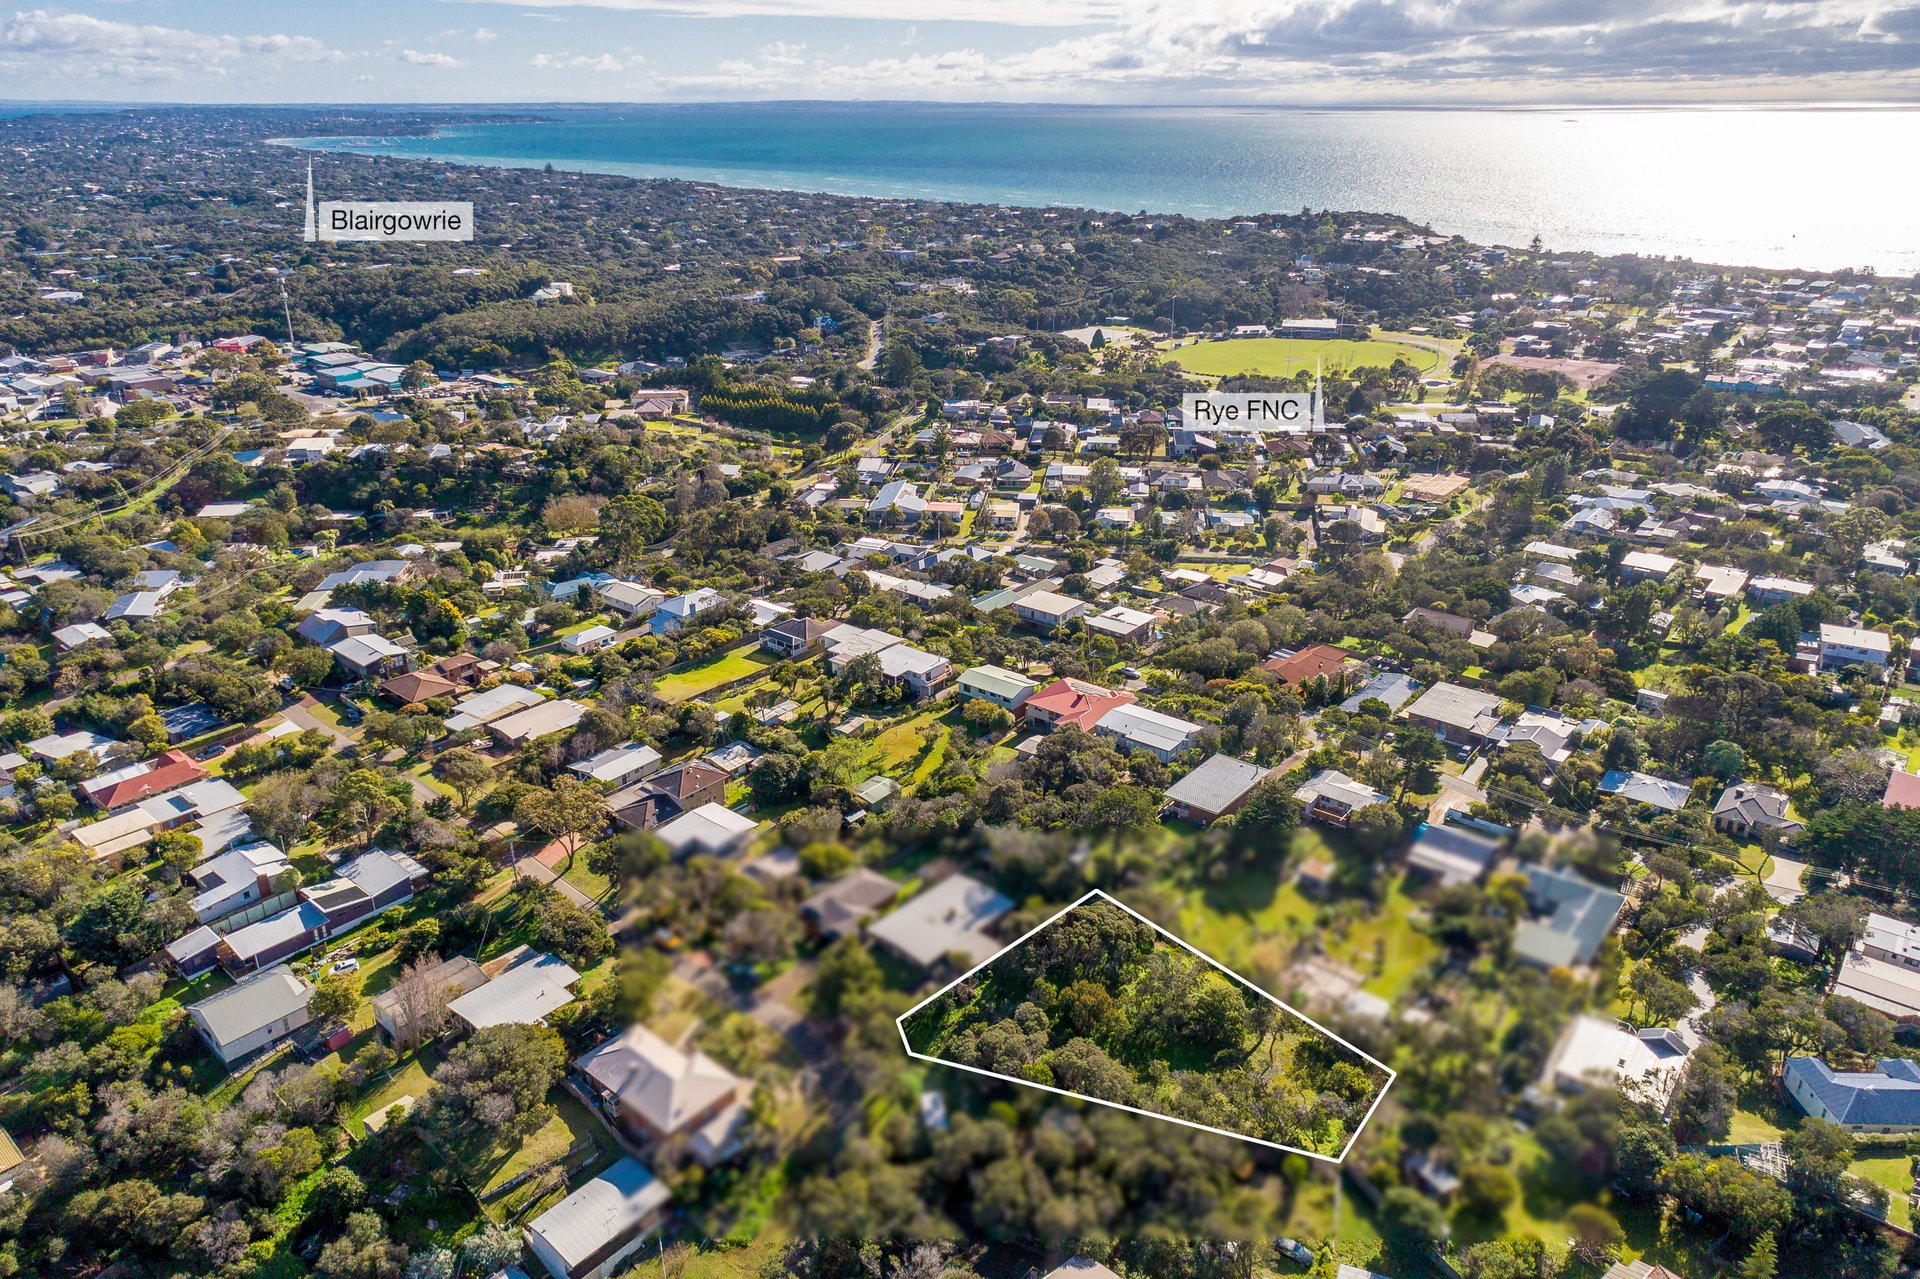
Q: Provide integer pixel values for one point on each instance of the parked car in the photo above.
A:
(1293, 1250)
(347, 965)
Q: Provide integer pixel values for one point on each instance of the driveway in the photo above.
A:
(1783, 881)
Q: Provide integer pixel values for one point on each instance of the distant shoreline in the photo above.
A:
(1662, 184)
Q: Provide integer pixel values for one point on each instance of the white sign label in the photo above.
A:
(1295, 412)
(394, 220)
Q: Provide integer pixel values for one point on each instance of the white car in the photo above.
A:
(347, 965)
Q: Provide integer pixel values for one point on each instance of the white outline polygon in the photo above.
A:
(900, 1023)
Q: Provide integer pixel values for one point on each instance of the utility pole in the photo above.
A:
(286, 309)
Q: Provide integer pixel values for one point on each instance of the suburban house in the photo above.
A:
(111, 792)
(484, 707)
(369, 656)
(1074, 702)
(1049, 610)
(1137, 728)
(1747, 809)
(796, 637)
(656, 1090)
(252, 1014)
(325, 626)
(1572, 918)
(998, 685)
(1461, 716)
(1214, 790)
(369, 885)
(681, 609)
(236, 879)
(1333, 797)
(592, 1231)
(954, 917)
(1644, 788)
(537, 721)
(521, 994)
(1884, 1099)
(618, 765)
(1842, 646)
(454, 977)
(1123, 625)
(711, 828)
(838, 909)
(1452, 855)
(1882, 970)
(590, 640)
(1309, 663)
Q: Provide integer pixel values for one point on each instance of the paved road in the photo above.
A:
(306, 719)
(876, 338)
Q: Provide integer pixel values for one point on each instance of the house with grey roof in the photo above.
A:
(954, 917)
(1214, 790)
(253, 1013)
(592, 1231)
(1884, 1099)
(1462, 716)
(1644, 788)
(1333, 797)
(1746, 809)
(1572, 917)
(1391, 687)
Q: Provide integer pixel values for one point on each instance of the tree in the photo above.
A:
(1409, 1217)
(335, 1193)
(1836, 920)
(1266, 822)
(334, 995)
(281, 806)
(1704, 1100)
(493, 1079)
(1487, 1190)
(1724, 759)
(1791, 425)
(1662, 999)
(495, 1247)
(466, 771)
(1761, 1261)
(420, 996)
(365, 799)
(362, 1251)
(565, 810)
(572, 932)
(1104, 481)
(1375, 828)
(847, 973)
(1596, 1235)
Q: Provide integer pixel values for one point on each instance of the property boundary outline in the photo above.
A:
(900, 1023)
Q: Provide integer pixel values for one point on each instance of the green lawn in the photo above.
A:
(1895, 1173)
(1283, 357)
(1249, 912)
(714, 671)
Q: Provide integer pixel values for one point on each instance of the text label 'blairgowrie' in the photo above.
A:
(393, 220)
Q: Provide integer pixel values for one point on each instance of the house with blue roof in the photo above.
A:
(1885, 1099)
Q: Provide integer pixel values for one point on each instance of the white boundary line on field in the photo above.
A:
(900, 1023)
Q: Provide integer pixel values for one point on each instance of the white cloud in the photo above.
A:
(603, 64)
(413, 57)
(1016, 13)
(1355, 52)
(76, 46)
(482, 35)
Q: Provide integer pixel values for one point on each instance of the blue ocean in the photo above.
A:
(1728, 186)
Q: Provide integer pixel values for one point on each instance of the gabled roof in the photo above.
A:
(1072, 701)
(1309, 662)
(665, 1086)
(1217, 784)
(249, 1004)
(1888, 1096)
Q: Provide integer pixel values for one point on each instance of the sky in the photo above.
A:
(1217, 52)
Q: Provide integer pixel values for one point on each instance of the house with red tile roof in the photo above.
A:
(1075, 702)
(118, 789)
(1309, 663)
